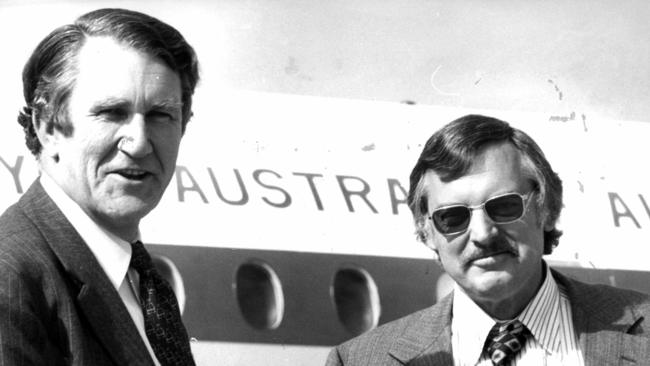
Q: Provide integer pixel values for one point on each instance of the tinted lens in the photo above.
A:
(505, 208)
(451, 219)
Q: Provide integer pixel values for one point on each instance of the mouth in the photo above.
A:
(491, 254)
(133, 174)
(491, 257)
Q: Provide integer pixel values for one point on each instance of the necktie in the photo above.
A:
(505, 340)
(162, 318)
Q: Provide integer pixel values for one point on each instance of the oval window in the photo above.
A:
(167, 269)
(259, 295)
(356, 299)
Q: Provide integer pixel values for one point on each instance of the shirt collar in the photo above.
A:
(541, 315)
(112, 253)
(472, 324)
(469, 325)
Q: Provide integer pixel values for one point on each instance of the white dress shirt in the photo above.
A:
(547, 316)
(112, 253)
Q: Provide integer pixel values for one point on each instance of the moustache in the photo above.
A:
(493, 247)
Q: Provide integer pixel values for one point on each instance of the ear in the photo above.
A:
(546, 222)
(49, 139)
(548, 226)
(427, 237)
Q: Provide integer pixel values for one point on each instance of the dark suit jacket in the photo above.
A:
(57, 306)
(612, 326)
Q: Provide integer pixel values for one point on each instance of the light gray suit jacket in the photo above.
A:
(57, 306)
(612, 326)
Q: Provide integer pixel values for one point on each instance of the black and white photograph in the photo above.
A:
(331, 183)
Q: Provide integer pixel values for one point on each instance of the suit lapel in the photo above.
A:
(603, 345)
(598, 347)
(602, 323)
(97, 299)
(428, 340)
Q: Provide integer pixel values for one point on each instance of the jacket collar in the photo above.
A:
(427, 341)
(97, 298)
(112, 253)
(606, 324)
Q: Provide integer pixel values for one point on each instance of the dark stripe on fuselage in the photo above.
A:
(213, 312)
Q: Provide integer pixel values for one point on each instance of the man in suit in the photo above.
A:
(485, 200)
(107, 102)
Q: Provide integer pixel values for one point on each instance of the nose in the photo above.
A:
(481, 228)
(134, 140)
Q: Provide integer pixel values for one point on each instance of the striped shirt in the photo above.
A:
(547, 316)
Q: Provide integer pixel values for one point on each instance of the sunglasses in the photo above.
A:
(502, 209)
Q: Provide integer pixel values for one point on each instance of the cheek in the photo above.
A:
(450, 252)
(95, 140)
(530, 242)
(535, 245)
(78, 159)
(453, 266)
(98, 154)
(534, 231)
(167, 141)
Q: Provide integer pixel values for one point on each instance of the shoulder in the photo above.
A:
(417, 330)
(607, 304)
(601, 295)
(21, 242)
(18, 237)
(26, 259)
(15, 220)
(390, 331)
(372, 347)
(30, 292)
(22, 238)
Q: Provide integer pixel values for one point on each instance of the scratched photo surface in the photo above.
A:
(285, 229)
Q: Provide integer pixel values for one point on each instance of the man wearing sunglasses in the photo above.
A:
(485, 200)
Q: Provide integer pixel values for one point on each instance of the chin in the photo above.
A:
(490, 284)
(129, 209)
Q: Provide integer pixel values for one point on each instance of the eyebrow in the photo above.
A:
(110, 103)
(504, 193)
(167, 104)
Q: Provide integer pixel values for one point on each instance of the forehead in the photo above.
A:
(496, 169)
(106, 67)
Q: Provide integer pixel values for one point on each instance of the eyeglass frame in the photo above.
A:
(525, 199)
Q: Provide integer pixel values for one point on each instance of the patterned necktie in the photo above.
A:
(504, 341)
(162, 318)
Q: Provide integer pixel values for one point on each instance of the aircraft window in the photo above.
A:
(170, 273)
(356, 299)
(259, 294)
